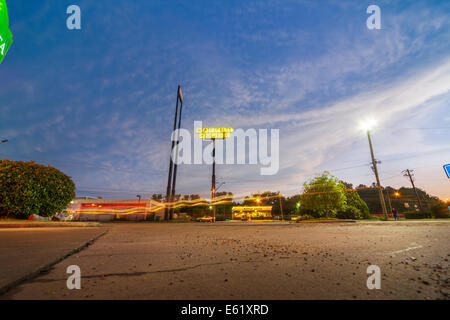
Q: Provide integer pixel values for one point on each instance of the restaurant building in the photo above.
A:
(252, 213)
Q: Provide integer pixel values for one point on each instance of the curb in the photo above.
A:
(47, 267)
(46, 225)
(327, 221)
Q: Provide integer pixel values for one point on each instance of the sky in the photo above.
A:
(98, 103)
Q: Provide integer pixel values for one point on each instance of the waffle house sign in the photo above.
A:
(214, 133)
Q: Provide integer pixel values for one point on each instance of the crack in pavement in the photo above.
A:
(141, 273)
(47, 267)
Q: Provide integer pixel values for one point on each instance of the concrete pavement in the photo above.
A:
(255, 261)
(24, 252)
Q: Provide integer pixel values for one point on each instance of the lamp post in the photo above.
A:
(368, 127)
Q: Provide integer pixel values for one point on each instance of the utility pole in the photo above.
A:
(169, 191)
(409, 174)
(375, 170)
(389, 200)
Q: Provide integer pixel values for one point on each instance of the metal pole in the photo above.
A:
(374, 163)
(176, 154)
(213, 181)
(169, 179)
(389, 200)
(281, 209)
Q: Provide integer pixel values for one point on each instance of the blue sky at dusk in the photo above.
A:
(98, 102)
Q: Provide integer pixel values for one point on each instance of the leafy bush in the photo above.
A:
(354, 200)
(315, 213)
(29, 188)
(415, 215)
(350, 212)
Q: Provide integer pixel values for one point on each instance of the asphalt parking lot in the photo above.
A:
(236, 261)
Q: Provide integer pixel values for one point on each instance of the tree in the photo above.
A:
(157, 197)
(323, 195)
(406, 196)
(29, 188)
(354, 200)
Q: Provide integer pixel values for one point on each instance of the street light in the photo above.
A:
(397, 194)
(368, 126)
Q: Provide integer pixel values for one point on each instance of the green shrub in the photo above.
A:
(28, 188)
(350, 212)
(415, 215)
(354, 200)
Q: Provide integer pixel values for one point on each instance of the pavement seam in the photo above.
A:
(48, 266)
(141, 273)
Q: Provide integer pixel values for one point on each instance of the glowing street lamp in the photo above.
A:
(368, 125)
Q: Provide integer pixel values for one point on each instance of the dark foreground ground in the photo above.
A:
(233, 261)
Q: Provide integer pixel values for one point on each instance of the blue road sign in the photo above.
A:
(447, 170)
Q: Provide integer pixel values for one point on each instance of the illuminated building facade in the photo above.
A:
(252, 212)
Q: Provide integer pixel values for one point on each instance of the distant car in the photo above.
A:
(244, 217)
(205, 219)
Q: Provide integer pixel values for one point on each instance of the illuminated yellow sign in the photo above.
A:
(250, 208)
(214, 133)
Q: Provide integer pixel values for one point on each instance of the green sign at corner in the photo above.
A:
(5, 33)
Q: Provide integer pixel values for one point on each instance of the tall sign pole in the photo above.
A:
(213, 134)
(213, 180)
(375, 170)
(169, 179)
(175, 166)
